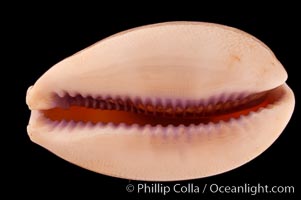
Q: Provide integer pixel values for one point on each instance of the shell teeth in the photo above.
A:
(122, 125)
(243, 101)
(159, 130)
(76, 101)
(242, 96)
(72, 93)
(235, 103)
(208, 108)
(55, 123)
(80, 124)
(161, 107)
(129, 104)
(99, 125)
(94, 103)
(190, 110)
(61, 93)
(222, 98)
(111, 125)
(84, 95)
(140, 106)
(147, 128)
(192, 129)
(87, 102)
(110, 103)
(169, 110)
(102, 104)
(227, 105)
(71, 124)
(199, 110)
(156, 106)
(135, 126)
(179, 110)
(213, 100)
(118, 103)
(150, 108)
(62, 124)
(254, 97)
(232, 97)
(169, 131)
(126, 104)
(219, 107)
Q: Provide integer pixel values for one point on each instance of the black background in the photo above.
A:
(39, 39)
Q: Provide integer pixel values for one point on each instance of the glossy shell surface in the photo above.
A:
(164, 69)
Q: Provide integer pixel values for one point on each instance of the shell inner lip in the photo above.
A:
(129, 112)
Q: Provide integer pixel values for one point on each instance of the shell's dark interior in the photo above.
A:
(116, 111)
